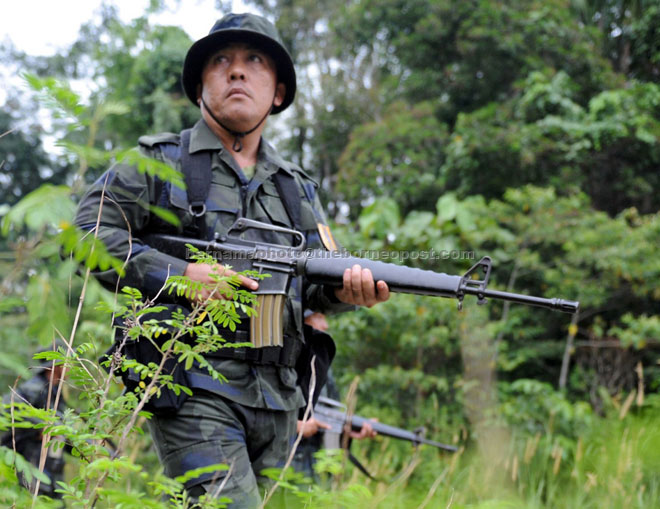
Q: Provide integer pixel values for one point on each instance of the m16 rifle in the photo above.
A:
(334, 414)
(283, 263)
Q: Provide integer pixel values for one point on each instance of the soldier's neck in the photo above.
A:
(249, 145)
(244, 149)
(248, 154)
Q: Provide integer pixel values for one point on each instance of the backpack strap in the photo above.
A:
(288, 191)
(197, 175)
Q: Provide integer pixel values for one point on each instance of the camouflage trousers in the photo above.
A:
(209, 429)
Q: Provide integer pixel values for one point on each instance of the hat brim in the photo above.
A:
(200, 51)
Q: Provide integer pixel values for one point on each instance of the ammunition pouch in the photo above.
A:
(320, 347)
(145, 352)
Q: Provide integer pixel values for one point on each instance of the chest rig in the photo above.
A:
(265, 329)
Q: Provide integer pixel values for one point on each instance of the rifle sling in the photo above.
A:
(360, 466)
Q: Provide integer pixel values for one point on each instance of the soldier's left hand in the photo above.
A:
(367, 431)
(359, 288)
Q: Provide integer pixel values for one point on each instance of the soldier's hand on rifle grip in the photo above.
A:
(359, 288)
(202, 272)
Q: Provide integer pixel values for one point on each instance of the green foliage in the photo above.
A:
(471, 54)
(36, 210)
(407, 351)
(608, 149)
(636, 331)
(104, 416)
(535, 407)
(141, 65)
(58, 98)
(44, 287)
(381, 155)
(644, 43)
(151, 167)
(86, 249)
(23, 162)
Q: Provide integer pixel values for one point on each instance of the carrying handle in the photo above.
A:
(243, 224)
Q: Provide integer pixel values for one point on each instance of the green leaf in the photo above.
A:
(465, 220)
(380, 218)
(447, 207)
(48, 205)
(165, 215)
(191, 474)
(10, 303)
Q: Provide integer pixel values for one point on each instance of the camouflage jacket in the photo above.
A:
(130, 194)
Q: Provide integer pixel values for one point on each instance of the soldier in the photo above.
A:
(238, 76)
(314, 436)
(28, 441)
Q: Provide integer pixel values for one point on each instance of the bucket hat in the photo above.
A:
(247, 28)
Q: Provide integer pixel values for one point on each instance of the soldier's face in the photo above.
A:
(239, 84)
(57, 372)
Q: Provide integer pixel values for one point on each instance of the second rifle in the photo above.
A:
(334, 414)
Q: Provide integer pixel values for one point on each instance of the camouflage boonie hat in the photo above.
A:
(248, 28)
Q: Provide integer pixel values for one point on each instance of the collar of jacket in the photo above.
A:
(202, 138)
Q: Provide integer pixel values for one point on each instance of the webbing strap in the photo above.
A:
(197, 175)
(288, 191)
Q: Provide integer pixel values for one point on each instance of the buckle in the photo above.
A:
(197, 210)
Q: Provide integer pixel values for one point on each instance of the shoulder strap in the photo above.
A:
(288, 191)
(197, 174)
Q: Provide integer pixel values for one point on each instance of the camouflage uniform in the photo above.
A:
(28, 440)
(251, 419)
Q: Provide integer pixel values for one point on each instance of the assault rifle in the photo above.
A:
(334, 414)
(283, 263)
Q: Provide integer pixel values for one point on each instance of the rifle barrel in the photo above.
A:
(328, 268)
(330, 411)
(390, 431)
(567, 306)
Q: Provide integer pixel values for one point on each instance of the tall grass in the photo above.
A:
(614, 464)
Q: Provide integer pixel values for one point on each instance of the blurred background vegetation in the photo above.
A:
(525, 130)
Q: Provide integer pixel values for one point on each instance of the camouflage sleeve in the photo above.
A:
(120, 202)
(319, 298)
